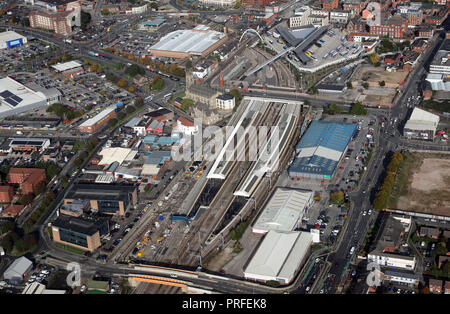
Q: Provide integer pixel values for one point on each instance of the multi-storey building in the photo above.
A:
(330, 4)
(60, 22)
(394, 27)
(80, 232)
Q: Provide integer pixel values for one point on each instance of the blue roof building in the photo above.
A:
(320, 149)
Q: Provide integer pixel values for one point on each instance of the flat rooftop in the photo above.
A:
(61, 67)
(284, 210)
(14, 95)
(114, 192)
(9, 35)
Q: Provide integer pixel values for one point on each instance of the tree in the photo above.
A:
(337, 197)
(19, 245)
(25, 22)
(6, 227)
(25, 199)
(29, 241)
(64, 181)
(134, 70)
(373, 58)
(130, 109)
(333, 108)
(157, 83)
(112, 122)
(365, 85)
(382, 83)
(8, 242)
(237, 96)
(358, 109)
(104, 12)
(138, 102)
(122, 83)
(349, 85)
(121, 115)
(40, 187)
(188, 64)
(85, 19)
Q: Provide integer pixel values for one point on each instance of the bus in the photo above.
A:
(167, 95)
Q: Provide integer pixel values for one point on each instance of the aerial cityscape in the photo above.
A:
(224, 147)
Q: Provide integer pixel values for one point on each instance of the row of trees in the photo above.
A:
(119, 82)
(382, 197)
(14, 243)
(173, 69)
(63, 112)
(39, 212)
(129, 109)
(334, 109)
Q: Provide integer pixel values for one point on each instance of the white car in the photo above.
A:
(364, 213)
(83, 288)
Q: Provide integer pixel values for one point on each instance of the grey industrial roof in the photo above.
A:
(284, 209)
(422, 120)
(279, 255)
(17, 268)
(190, 41)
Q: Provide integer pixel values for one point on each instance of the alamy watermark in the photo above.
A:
(74, 277)
(374, 277)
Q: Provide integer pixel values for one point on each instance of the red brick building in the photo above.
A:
(12, 211)
(436, 16)
(330, 4)
(6, 193)
(27, 178)
(395, 28)
(354, 6)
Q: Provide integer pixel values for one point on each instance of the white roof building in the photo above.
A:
(11, 39)
(92, 121)
(193, 41)
(16, 98)
(61, 67)
(279, 256)
(439, 81)
(116, 154)
(285, 208)
(422, 120)
(18, 268)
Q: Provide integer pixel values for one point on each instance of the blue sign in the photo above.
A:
(14, 43)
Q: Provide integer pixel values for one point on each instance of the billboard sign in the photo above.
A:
(14, 43)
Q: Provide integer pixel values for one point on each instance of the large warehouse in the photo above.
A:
(94, 123)
(10, 39)
(284, 210)
(279, 256)
(421, 125)
(320, 150)
(16, 98)
(199, 41)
